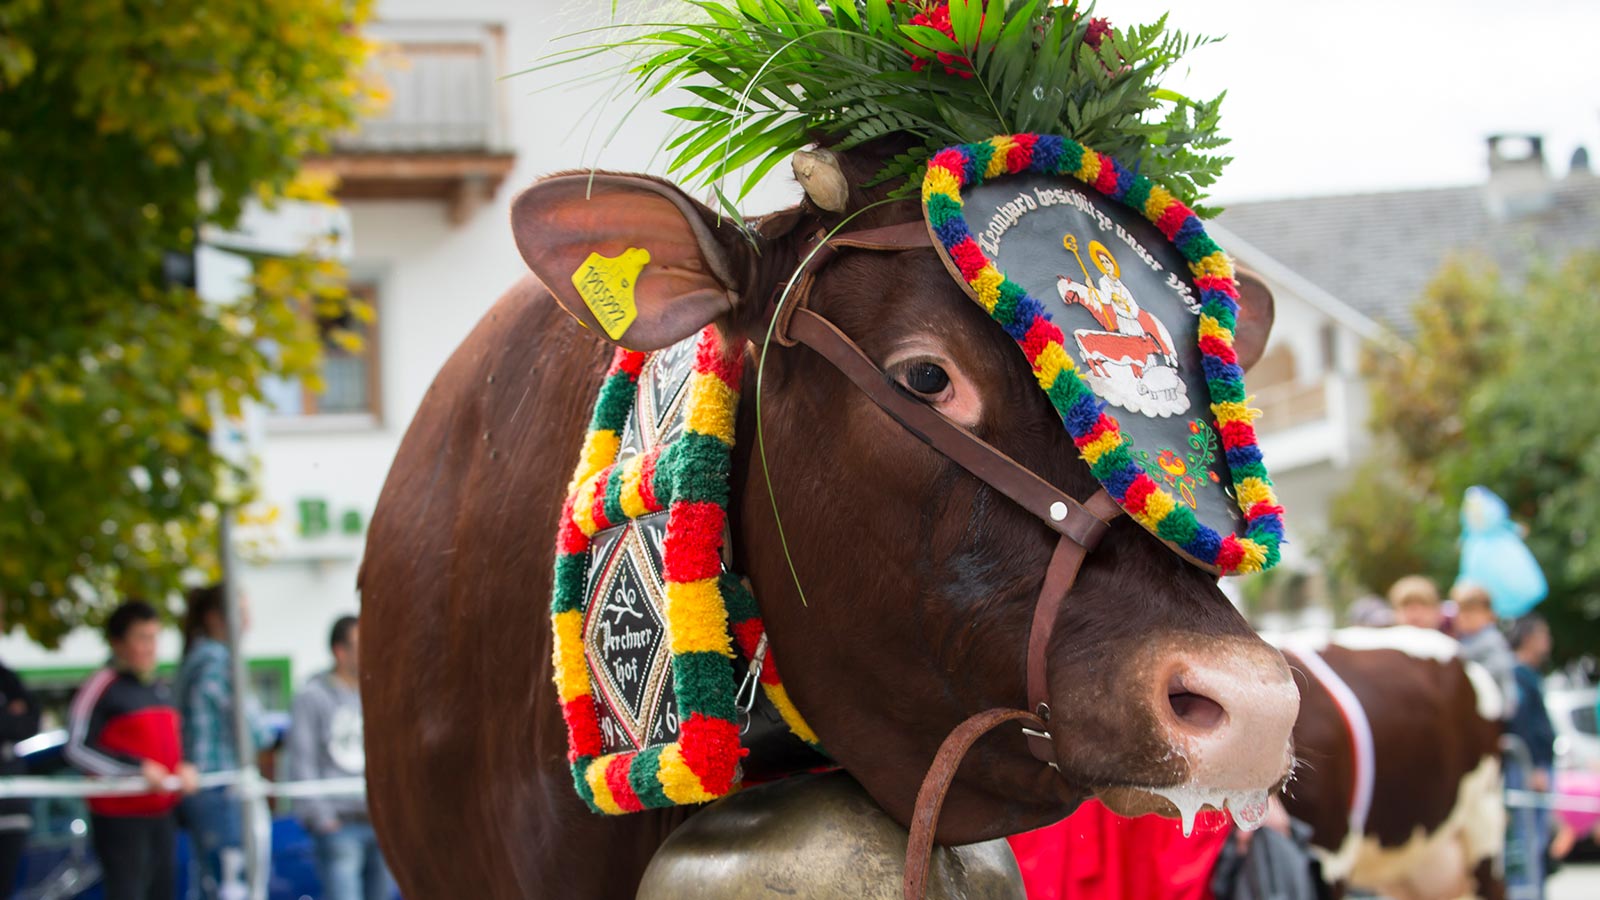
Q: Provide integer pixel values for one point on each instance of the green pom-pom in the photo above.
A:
(571, 582)
(1179, 526)
(704, 684)
(645, 779)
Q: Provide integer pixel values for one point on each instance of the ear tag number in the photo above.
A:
(606, 286)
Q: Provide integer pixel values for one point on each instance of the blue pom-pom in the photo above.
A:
(1205, 545)
(1242, 456)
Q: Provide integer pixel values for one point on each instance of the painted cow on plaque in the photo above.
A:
(812, 477)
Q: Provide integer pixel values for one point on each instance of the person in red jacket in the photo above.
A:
(123, 723)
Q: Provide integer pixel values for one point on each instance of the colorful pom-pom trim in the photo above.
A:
(1100, 442)
(706, 609)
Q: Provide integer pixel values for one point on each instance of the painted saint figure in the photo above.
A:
(1130, 338)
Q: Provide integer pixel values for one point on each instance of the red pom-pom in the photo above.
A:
(711, 750)
(1211, 345)
(583, 728)
(569, 538)
(951, 160)
(1138, 493)
(1101, 426)
(647, 478)
(617, 781)
(1020, 156)
(1230, 554)
(969, 258)
(1106, 181)
(629, 361)
(1238, 434)
(747, 634)
(598, 508)
(1172, 219)
(1041, 334)
(1263, 509)
(1218, 283)
(713, 357)
(769, 669)
(694, 537)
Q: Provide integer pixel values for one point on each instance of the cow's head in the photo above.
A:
(919, 581)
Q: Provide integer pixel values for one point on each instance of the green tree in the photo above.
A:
(125, 126)
(1497, 389)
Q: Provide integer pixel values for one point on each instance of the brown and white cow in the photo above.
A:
(1422, 782)
(919, 581)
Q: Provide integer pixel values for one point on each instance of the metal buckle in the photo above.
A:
(745, 698)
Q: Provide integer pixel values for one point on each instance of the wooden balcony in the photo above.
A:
(443, 134)
(1287, 404)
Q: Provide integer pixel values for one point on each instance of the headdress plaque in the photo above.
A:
(1125, 309)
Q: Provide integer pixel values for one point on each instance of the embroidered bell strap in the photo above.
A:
(653, 636)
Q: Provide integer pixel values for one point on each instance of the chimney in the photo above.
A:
(1518, 184)
(1580, 164)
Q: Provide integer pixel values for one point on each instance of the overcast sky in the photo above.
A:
(1341, 96)
(1338, 97)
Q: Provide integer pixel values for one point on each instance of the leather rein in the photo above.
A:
(1080, 526)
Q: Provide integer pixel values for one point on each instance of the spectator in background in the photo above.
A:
(1370, 611)
(123, 723)
(1530, 641)
(326, 741)
(19, 720)
(205, 699)
(1416, 602)
(1482, 642)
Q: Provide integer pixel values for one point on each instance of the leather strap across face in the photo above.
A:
(815, 258)
(1065, 563)
(1080, 525)
(1065, 515)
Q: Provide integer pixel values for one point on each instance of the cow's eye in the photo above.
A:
(925, 378)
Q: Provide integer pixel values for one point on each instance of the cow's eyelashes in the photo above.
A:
(924, 378)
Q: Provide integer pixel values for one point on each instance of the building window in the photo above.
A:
(350, 378)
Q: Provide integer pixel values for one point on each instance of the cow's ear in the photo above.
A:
(634, 259)
(1254, 324)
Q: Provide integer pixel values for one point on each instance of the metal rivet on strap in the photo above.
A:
(1058, 511)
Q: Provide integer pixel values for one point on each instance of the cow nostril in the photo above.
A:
(1193, 709)
(1196, 710)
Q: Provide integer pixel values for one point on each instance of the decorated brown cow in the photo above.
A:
(1400, 744)
(850, 443)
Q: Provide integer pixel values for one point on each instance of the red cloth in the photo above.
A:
(149, 733)
(1095, 854)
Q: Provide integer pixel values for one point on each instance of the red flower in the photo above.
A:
(938, 17)
(1098, 29)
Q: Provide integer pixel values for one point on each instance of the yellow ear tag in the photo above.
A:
(606, 286)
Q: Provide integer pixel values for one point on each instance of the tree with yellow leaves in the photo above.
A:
(125, 127)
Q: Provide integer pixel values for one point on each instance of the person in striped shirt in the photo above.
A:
(205, 702)
(122, 723)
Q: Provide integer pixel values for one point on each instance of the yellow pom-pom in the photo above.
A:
(697, 618)
(941, 181)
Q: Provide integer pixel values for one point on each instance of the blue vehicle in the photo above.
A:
(60, 863)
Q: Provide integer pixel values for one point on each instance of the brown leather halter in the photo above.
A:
(1080, 525)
